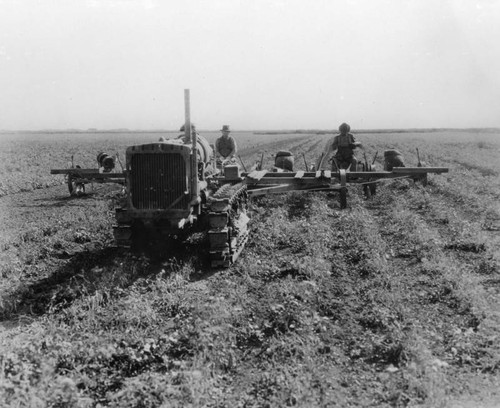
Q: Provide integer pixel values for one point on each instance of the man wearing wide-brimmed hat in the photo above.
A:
(225, 145)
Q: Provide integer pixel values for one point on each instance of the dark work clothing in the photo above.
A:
(344, 144)
(225, 146)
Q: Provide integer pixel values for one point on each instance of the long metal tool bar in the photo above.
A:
(88, 173)
(262, 177)
(283, 188)
(398, 172)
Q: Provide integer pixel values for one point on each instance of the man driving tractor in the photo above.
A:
(345, 144)
(225, 145)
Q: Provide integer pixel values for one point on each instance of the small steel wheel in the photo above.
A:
(367, 192)
(75, 188)
(369, 189)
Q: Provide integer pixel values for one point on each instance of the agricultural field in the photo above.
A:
(26, 158)
(392, 302)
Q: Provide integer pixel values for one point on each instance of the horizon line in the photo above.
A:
(270, 130)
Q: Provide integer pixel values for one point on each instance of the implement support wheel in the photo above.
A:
(74, 187)
(71, 185)
(369, 189)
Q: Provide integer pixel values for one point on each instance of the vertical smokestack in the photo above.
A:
(194, 156)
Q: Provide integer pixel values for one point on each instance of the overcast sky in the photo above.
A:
(252, 64)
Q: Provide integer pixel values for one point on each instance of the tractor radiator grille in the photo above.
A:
(158, 181)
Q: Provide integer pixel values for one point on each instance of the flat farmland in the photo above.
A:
(26, 158)
(392, 302)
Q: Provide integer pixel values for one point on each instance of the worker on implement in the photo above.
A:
(225, 145)
(345, 144)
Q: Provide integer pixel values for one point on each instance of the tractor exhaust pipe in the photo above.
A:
(194, 156)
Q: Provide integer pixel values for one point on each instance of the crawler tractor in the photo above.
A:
(170, 186)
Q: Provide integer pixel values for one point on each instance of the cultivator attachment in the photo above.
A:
(77, 178)
(263, 182)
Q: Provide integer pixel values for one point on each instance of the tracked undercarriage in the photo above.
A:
(228, 224)
(224, 214)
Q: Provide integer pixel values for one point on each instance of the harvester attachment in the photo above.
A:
(264, 182)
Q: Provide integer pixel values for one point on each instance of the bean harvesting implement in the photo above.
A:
(170, 187)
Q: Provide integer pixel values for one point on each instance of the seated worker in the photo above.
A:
(345, 144)
(225, 145)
